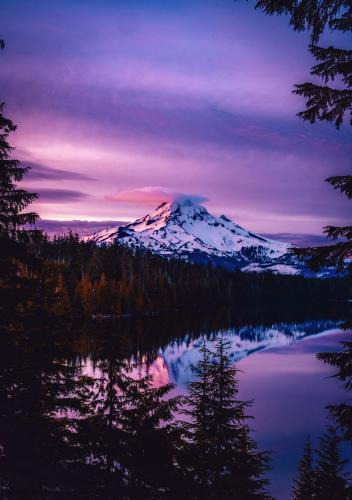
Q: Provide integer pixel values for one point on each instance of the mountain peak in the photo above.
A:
(173, 212)
(178, 204)
(186, 230)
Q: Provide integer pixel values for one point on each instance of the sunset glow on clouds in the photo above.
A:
(154, 194)
(113, 98)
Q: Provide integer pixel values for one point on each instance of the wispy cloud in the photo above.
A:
(150, 195)
(40, 172)
(195, 96)
(49, 195)
(299, 240)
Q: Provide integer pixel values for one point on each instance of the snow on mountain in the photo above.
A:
(188, 231)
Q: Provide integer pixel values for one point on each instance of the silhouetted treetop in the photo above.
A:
(334, 255)
(312, 15)
(305, 484)
(323, 102)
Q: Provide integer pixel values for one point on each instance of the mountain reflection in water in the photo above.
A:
(64, 432)
(279, 371)
(175, 362)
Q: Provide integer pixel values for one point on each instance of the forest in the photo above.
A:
(72, 277)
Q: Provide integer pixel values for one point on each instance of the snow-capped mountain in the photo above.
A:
(188, 231)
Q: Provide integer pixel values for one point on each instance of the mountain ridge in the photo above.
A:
(186, 230)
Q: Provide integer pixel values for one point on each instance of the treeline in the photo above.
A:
(78, 277)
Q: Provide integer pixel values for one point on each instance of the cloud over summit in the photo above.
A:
(152, 195)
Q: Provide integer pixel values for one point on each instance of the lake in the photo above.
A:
(53, 420)
(279, 371)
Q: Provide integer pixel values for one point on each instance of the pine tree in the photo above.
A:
(334, 255)
(151, 440)
(331, 479)
(12, 199)
(41, 402)
(226, 461)
(305, 484)
(323, 102)
(194, 458)
(129, 436)
(14, 290)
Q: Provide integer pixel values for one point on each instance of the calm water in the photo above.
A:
(278, 371)
(40, 384)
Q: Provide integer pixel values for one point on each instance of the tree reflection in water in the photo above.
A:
(116, 435)
(328, 477)
(66, 435)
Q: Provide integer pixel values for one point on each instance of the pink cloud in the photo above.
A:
(151, 195)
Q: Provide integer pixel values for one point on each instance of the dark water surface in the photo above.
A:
(291, 388)
(43, 398)
(279, 371)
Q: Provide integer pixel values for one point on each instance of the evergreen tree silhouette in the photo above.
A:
(17, 290)
(331, 479)
(228, 463)
(336, 254)
(130, 436)
(305, 484)
(152, 439)
(195, 462)
(41, 401)
(12, 199)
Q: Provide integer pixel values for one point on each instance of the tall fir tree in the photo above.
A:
(305, 484)
(13, 200)
(151, 440)
(331, 479)
(42, 402)
(194, 458)
(228, 464)
(16, 290)
(129, 436)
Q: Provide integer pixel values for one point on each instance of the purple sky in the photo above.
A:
(121, 103)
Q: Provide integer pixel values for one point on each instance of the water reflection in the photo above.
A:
(279, 371)
(88, 411)
(175, 362)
